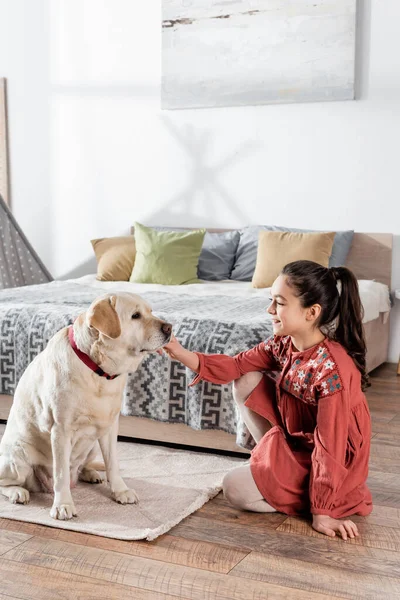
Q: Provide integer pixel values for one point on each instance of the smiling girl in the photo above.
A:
(311, 423)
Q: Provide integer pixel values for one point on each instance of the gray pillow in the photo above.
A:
(246, 255)
(217, 254)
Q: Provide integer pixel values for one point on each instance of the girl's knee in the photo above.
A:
(232, 489)
(243, 386)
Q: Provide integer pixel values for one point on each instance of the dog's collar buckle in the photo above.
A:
(85, 358)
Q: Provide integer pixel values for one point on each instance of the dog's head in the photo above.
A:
(126, 327)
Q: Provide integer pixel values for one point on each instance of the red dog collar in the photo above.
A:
(85, 358)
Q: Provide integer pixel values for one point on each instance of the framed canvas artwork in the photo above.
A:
(250, 52)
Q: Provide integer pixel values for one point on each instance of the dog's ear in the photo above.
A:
(104, 318)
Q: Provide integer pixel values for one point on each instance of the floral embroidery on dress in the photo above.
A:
(268, 344)
(277, 346)
(329, 381)
(308, 379)
(329, 364)
(322, 353)
(295, 364)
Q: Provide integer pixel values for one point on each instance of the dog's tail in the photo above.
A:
(96, 465)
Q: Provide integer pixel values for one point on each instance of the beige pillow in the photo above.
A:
(278, 248)
(115, 257)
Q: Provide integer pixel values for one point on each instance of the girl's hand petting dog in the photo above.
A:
(329, 526)
(173, 348)
(177, 352)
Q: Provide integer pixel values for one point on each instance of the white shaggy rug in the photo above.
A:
(171, 484)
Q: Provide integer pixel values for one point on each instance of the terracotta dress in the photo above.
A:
(315, 457)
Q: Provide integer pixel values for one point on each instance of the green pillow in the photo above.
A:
(166, 257)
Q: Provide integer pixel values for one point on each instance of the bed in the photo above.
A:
(213, 317)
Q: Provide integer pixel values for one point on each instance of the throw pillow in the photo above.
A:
(278, 248)
(169, 258)
(115, 257)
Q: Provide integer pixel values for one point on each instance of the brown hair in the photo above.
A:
(341, 310)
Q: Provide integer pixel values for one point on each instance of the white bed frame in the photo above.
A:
(370, 257)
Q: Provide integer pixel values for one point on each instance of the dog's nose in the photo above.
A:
(166, 328)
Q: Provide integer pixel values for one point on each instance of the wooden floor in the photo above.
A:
(220, 553)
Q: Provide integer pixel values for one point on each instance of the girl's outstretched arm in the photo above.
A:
(221, 368)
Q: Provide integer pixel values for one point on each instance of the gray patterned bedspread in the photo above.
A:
(31, 315)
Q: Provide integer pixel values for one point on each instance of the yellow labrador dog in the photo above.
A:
(70, 397)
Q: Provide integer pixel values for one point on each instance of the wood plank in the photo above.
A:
(387, 403)
(381, 450)
(385, 464)
(154, 576)
(383, 400)
(384, 457)
(384, 482)
(388, 381)
(383, 416)
(372, 536)
(383, 389)
(384, 370)
(387, 439)
(11, 539)
(33, 529)
(239, 536)
(387, 516)
(383, 396)
(218, 558)
(316, 577)
(375, 381)
(395, 422)
(386, 498)
(332, 553)
(31, 582)
(377, 428)
(392, 428)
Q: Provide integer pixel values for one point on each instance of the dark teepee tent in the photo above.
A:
(19, 263)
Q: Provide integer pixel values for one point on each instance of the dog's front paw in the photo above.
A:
(19, 495)
(126, 496)
(90, 476)
(63, 512)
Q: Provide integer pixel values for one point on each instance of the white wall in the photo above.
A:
(91, 151)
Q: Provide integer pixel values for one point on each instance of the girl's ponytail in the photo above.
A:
(349, 330)
(336, 291)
